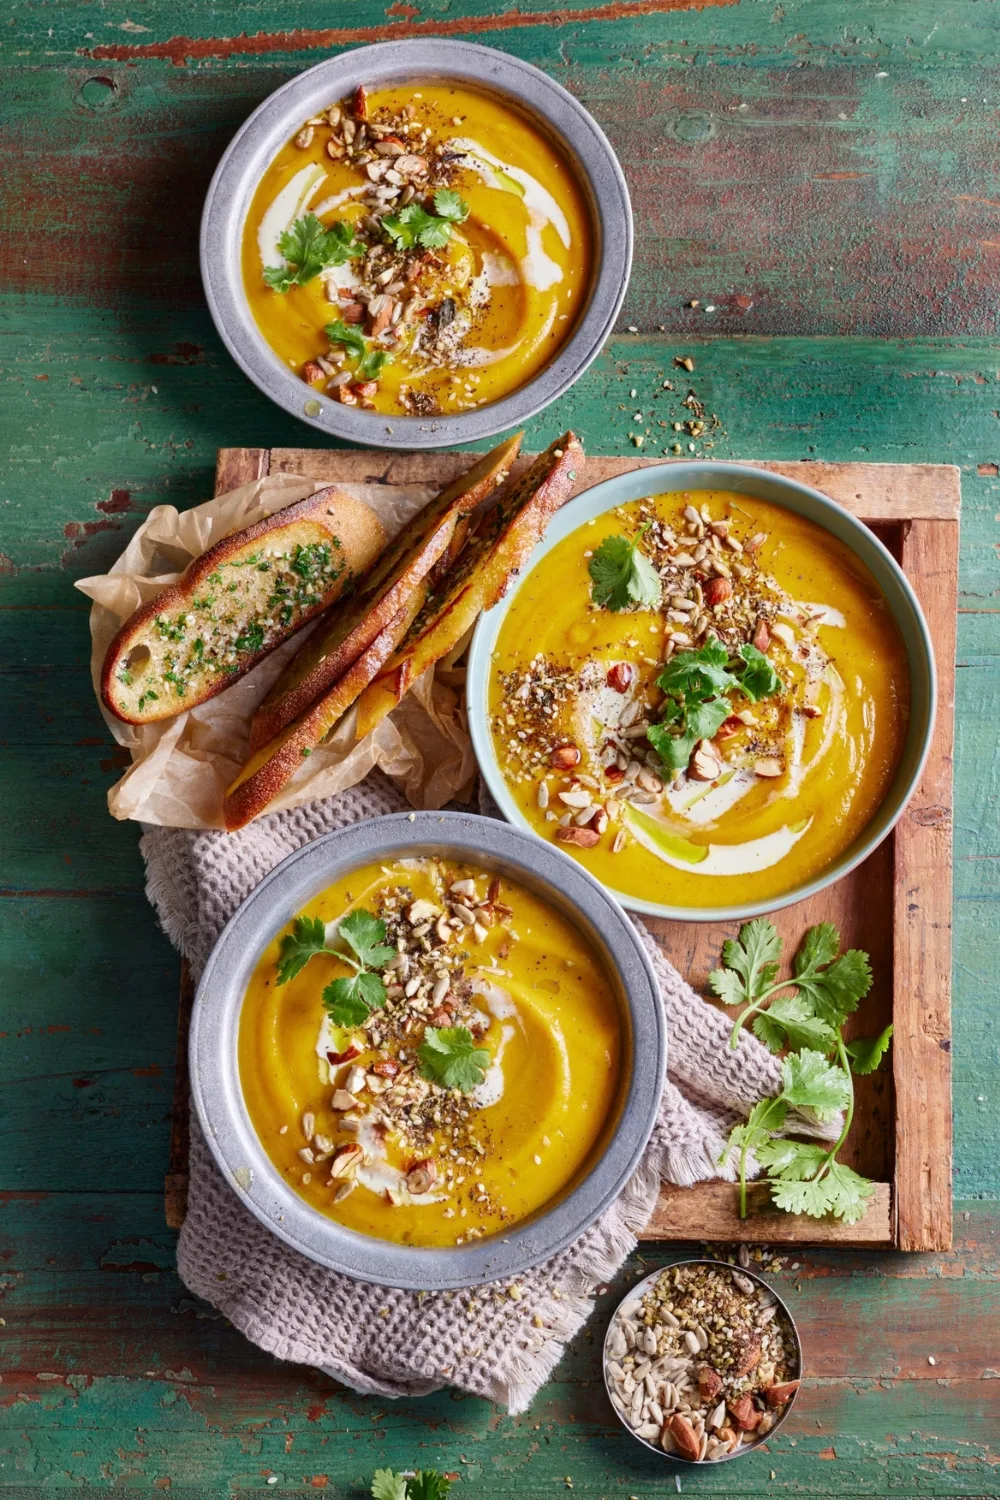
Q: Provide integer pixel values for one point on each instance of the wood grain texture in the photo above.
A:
(921, 1056)
(824, 175)
(708, 1211)
(873, 492)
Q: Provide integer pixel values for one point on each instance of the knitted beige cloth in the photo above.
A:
(502, 1340)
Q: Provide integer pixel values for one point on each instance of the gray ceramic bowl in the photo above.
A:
(276, 120)
(215, 1082)
(804, 501)
(636, 1292)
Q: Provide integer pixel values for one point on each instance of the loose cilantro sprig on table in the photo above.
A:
(622, 575)
(425, 1484)
(448, 1055)
(697, 685)
(309, 248)
(413, 225)
(804, 1176)
(350, 1000)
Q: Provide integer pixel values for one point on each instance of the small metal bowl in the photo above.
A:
(782, 1412)
(553, 110)
(800, 499)
(215, 1079)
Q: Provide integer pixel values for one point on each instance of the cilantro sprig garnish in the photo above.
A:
(349, 1000)
(425, 1484)
(413, 225)
(697, 685)
(448, 1055)
(371, 361)
(817, 1074)
(622, 575)
(307, 938)
(309, 247)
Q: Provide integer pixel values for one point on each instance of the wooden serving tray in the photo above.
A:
(897, 905)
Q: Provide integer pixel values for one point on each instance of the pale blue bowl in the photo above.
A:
(804, 501)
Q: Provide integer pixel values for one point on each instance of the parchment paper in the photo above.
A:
(181, 767)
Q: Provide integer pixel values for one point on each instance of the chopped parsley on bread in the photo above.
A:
(235, 603)
(273, 766)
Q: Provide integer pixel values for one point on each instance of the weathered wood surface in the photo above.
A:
(869, 243)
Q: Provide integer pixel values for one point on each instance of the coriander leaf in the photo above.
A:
(351, 1001)
(434, 234)
(789, 1022)
(449, 1056)
(280, 278)
(849, 1192)
(352, 338)
(797, 1161)
(833, 991)
(699, 674)
(809, 1197)
(819, 946)
(673, 749)
(308, 247)
(365, 933)
(767, 1115)
(413, 225)
(372, 363)
(755, 955)
(388, 1486)
(758, 679)
(405, 226)
(728, 986)
(448, 205)
(621, 575)
(646, 586)
(705, 719)
(809, 1081)
(867, 1052)
(610, 569)
(427, 1484)
(299, 946)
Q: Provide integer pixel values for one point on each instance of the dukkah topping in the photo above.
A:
(406, 1075)
(716, 705)
(702, 1363)
(388, 274)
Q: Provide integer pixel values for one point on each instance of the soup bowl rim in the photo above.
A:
(217, 1093)
(801, 499)
(650, 1280)
(276, 120)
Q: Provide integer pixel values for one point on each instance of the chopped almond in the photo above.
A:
(583, 838)
(780, 1395)
(686, 1440)
(717, 591)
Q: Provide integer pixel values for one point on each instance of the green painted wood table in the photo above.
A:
(817, 194)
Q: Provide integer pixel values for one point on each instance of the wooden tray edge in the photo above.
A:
(917, 1215)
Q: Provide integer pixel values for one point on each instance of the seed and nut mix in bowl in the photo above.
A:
(702, 1361)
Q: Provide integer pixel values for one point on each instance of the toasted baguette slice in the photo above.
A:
(271, 767)
(237, 602)
(428, 541)
(484, 571)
